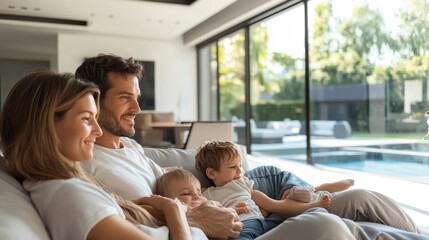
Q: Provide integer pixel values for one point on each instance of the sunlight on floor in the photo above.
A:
(410, 195)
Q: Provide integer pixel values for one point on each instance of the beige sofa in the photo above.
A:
(20, 220)
(18, 217)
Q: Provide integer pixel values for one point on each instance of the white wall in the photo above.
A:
(175, 66)
(412, 93)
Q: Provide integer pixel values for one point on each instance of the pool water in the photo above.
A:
(408, 161)
(395, 168)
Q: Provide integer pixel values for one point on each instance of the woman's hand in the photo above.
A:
(174, 212)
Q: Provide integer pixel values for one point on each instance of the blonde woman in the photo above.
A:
(48, 125)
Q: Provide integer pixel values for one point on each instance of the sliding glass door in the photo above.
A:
(225, 88)
(277, 73)
(369, 77)
(353, 94)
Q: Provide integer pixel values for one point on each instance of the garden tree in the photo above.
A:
(342, 50)
(231, 74)
(292, 82)
(231, 70)
(331, 60)
(288, 101)
(413, 41)
(277, 75)
(343, 68)
(322, 44)
(364, 33)
(259, 56)
(413, 30)
(412, 54)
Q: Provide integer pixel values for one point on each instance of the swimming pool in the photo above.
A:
(409, 170)
(409, 161)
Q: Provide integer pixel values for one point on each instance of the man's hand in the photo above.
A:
(214, 220)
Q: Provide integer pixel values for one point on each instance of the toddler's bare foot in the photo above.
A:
(343, 184)
(336, 186)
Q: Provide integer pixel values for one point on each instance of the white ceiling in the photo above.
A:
(121, 17)
(132, 18)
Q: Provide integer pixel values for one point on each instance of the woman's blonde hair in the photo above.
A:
(30, 143)
(27, 128)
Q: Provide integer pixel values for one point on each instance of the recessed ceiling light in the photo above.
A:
(11, 7)
(36, 9)
(24, 8)
(111, 16)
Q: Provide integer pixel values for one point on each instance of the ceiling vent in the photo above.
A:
(70, 22)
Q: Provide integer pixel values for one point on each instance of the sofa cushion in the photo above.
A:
(185, 158)
(19, 219)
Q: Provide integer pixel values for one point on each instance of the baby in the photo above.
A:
(181, 184)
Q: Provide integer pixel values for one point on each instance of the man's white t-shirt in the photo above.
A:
(126, 171)
(234, 192)
(70, 208)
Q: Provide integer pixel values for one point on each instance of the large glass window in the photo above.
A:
(369, 72)
(232, 95)
(231, 76)
(222, 82)
(368, 84)
(277, 82)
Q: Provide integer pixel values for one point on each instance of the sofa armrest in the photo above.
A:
(19, 219)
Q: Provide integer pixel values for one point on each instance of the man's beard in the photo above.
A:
(108, 123)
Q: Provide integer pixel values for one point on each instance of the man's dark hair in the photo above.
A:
(95, 69)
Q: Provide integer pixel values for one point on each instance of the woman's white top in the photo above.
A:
(70, 208)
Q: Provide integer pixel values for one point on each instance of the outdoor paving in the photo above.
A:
(299, 142)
